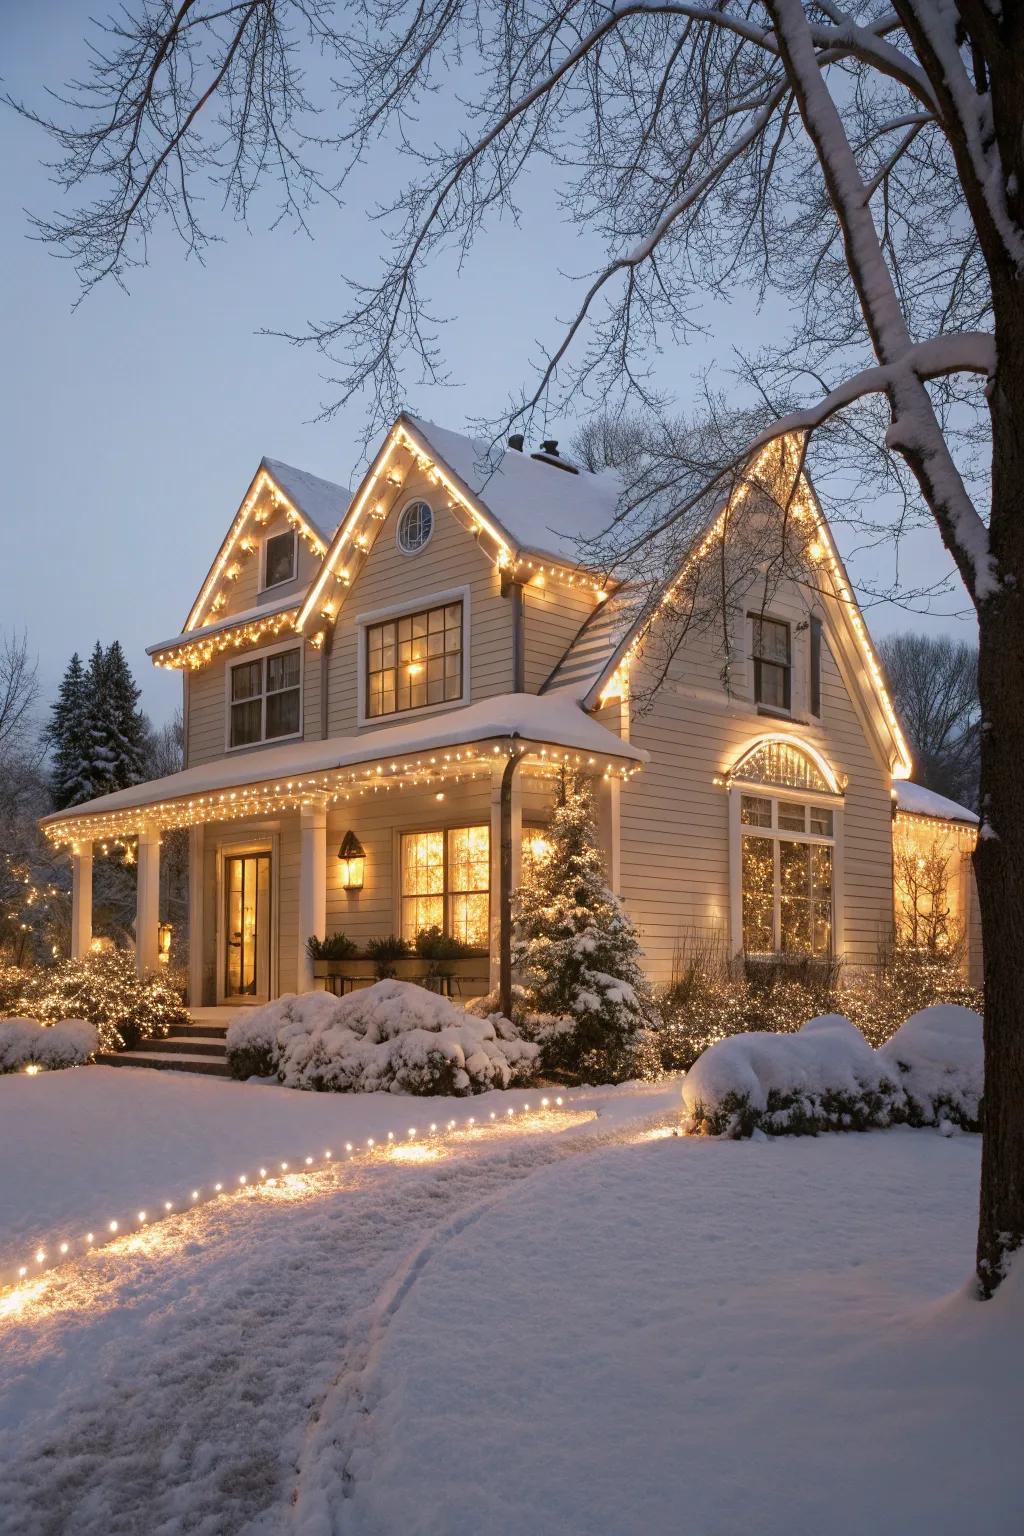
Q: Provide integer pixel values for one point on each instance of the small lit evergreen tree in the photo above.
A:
(577, 955)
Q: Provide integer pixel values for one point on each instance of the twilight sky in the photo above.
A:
(131, 427)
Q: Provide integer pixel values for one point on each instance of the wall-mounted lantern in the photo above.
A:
(353, 862)
(164, 943)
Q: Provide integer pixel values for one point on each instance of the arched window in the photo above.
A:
(778, 760)
(785, 821)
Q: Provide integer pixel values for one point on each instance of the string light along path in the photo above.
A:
(168, 1381)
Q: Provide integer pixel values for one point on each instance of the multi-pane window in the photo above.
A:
(772, 668)
(446, 878)
(279, 558)
(265, 698)
(786, 867)
(414, 660)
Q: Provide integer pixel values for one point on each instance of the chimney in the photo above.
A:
(549, 455)
(516, 441)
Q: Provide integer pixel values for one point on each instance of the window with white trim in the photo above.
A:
(414, 660)
(280, 554)
(786, 876)
(446, 882)
(265, 698)
(773, 666)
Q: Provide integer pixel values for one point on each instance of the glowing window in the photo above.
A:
(786, 877)
(414, 661)
(446, 878)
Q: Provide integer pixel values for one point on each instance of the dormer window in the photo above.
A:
(279, 558)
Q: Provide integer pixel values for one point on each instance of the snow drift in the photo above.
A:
(827, 1078)
(26, 1042)
(938, 1057)
(392, 1037)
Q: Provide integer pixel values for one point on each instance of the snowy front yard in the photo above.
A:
(579, 1325)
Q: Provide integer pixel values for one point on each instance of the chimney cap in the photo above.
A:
(550, 446)
(516, 441)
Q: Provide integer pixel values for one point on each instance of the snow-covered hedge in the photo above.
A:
(938, 1058)
(392, 1037)
(826, 1077)
(26, 1042)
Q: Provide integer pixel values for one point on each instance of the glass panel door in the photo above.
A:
(247, 927)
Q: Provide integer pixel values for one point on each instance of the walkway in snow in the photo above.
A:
(168, 1384)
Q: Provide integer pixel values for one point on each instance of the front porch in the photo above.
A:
(444, 817)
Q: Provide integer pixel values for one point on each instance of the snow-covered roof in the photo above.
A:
(541, 721)
(918, 801)
(321, 502)
(229, 621)
(539, 507)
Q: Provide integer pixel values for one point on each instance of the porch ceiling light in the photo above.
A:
(353, 862)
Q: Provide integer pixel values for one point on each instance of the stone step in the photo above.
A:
(196, 1045)
(202, 1030)
(211, 1066)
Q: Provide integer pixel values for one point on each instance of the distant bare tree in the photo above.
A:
(935, 681)
(861, 163)
(19, 690)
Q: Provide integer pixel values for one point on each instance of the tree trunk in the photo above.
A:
(999, 857)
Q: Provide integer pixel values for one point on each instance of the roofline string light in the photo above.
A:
(221, 565)
(823, 550)
(66, 1249)
(403, 438)
(331, 786)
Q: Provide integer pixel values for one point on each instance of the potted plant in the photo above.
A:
(388, 955)
(448, 958)
(326, 954)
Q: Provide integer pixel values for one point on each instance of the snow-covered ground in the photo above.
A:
(83, 1148)
(563, 1325)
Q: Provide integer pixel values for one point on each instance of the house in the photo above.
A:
(400, 676)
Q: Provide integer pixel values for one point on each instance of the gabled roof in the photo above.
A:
(318, 506)
(541, 509)
(915, 800)
(609, 636)
(322, 502)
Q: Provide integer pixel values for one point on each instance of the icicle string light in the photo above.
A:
(67, 1247)
(328, 788)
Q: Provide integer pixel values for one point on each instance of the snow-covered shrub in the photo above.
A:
(27, 1042)
(577, 956)
(106, 990)
(823, 1078)
(393, 1037)
(938, 1057)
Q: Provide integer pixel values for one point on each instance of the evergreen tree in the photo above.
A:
(577, 955)
(120, 730)
(69, 736)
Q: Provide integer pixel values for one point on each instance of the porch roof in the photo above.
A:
(459, 743)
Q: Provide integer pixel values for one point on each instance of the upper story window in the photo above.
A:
(414, 660)
(415, 526)
(265, 697)
(772, 663)
(280, 554)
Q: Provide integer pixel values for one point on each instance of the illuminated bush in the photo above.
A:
(105, 990)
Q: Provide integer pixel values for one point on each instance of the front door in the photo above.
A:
(247, 928)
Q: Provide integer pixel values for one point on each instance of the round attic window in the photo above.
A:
(415, 526)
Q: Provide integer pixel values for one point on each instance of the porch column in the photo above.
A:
(312, 886)
(609, 792)
(147, 901)
(196, 930)
(506, 838)
(81, 900)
